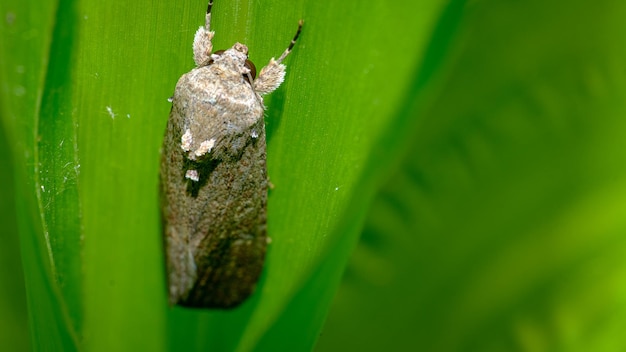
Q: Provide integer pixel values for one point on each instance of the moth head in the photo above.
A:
(238, 54)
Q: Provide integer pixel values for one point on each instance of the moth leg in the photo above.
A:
(202, 42)
(273, 74)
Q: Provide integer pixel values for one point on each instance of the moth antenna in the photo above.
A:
(293, 42)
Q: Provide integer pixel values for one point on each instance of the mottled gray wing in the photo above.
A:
(215, 227)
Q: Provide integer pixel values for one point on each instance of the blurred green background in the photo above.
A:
(449, 176)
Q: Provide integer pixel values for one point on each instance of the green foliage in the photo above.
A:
(480, 143)
(504, 227)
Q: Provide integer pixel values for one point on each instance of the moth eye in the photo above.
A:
(250, 66)
(218, 53)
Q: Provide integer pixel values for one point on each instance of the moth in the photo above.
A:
(213, 176)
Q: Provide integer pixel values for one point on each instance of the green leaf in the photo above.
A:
(503, 229)
(25, 62)
(88, 122)
(14, 323)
